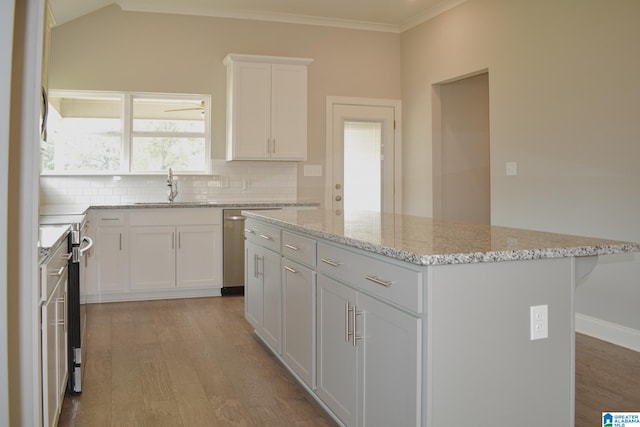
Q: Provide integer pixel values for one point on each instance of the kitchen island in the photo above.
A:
(401, 320)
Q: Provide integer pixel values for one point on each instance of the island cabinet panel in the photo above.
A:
(263, 293)
(299, 319)
(480, 353)
(369, 358)
(388, 281)
(337, 357)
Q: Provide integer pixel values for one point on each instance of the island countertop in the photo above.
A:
(428, 241)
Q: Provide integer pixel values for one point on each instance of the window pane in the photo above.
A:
(152, 154)
(161, 115)
(362, 166)
(84, 134)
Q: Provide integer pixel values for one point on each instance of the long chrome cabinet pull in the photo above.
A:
(248, 230)
(379, 281)
(286, 267)
(293, 248)
(331, 262)
(347, 310)
(354, 313)
(265, 237)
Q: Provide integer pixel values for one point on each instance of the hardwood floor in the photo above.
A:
(195, 362)
(191, 362)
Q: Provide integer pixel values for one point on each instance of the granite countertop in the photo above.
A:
(81, 209)
(427, 241)
(49, 238)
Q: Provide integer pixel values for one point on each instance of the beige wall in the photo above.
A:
(115, 50)
(564, 103)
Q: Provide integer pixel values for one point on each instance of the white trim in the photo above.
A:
(430, 13)
(370, 102)
(152, 295)
(607, 331)
(7, 9)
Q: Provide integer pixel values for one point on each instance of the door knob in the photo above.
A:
(338, 198)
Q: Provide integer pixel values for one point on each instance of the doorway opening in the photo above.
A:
(461, 149)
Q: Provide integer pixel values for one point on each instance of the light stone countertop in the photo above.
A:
(426, 241)
(81, 209)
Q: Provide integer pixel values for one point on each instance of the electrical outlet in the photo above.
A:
(539, 322)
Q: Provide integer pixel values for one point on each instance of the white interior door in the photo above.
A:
(362, 162)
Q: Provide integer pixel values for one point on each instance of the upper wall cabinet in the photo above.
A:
(266, 107)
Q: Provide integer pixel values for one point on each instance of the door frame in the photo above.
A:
(396, 104)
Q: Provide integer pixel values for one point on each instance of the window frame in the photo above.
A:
(127, 132)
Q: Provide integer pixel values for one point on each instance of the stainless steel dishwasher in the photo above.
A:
(233, 252)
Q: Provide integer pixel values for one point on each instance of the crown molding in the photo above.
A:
(430, 13)
(135, 6)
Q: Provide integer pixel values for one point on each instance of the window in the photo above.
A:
(109, 132)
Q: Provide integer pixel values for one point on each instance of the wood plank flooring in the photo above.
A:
(195, 362)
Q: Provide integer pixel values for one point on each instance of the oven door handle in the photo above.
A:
(86, 248)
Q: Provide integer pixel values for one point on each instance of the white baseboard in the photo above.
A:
(607, 331)
(150, 295)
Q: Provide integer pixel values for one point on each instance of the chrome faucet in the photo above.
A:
(173, 186)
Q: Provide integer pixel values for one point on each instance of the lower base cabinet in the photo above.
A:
(368, 358)
(358, 353)
(263, 293)
(299, 320)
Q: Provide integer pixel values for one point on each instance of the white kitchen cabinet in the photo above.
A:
(197, 256)
(266, 107)
(111, 254)
(175, 249)
(263, 293)
(54, 335)
(374, 378)
(337, 357)
(299, 319)
(153, 253)
(389, 360)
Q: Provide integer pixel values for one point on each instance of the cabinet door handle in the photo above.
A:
(293, 248)
(379, 281)
(331, 262)
(347, 310)
(286, 267)
(265, 237)
(248, 230)
(255, 265)
(120, 241)
(354, 313)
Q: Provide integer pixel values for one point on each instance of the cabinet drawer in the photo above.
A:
(299, 248)
(112, 218)
(54, 270)
(262, 234)
(385, 280)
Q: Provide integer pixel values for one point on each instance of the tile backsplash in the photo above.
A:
(229, 181)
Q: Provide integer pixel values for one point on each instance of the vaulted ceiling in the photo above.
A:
(379, 15)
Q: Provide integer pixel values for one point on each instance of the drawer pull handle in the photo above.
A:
(58, 272)
(286, 267)
(379, 281)
(293, 248)
(331, 262)
(347, 332)
(248, 230)
(265, 237)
